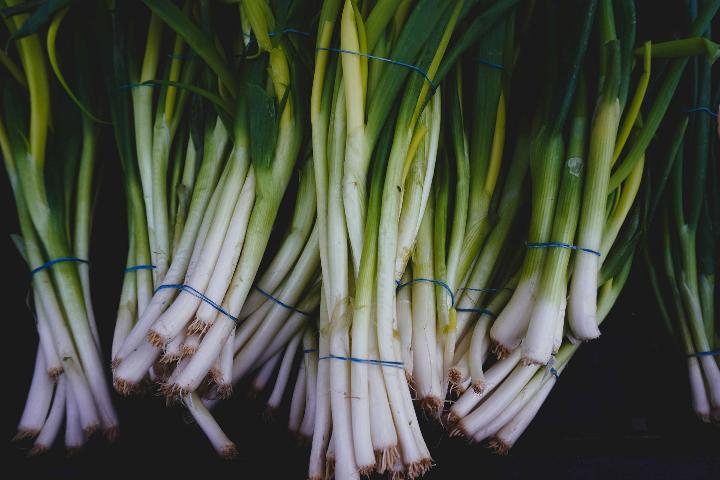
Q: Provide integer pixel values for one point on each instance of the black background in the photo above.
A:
(621, 409)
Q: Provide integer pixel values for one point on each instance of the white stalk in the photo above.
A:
(425, 361)
(230, 252)
(50, 356)
(222, 373)
(295, 239)
(700, 400)
(321, 429)
(382, 426)
(266, 372)
(38, 400)
(74, 437)
(582, 304)
(247, 328)
(405, 321)
(494, 404)
(293, 325)
(290, 293)
(50, 429)
(506, 437)
(215, 146)
(220, 442)
(297, 402)
(493, 377)
(310, 362)
(64, 346)
(288, 359)
(512, 408)
(127, 310)
(230, 218)
(512, 322)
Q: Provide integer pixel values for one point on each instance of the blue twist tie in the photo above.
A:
(703, 110)
(310, 350)
(280, 302)
(382, 363)
(481, 311)
(135, 268)
(429, 280)
(709, 353)
(50, 263)
(561, 245)
(490, 64)
(196, 293)
(415, 68)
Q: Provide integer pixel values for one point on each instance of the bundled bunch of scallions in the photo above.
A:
(362, 207)
(49, 147)
(683, 227)
(209, 138)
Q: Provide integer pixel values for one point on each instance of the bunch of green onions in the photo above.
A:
(49, 147)
(683, 265)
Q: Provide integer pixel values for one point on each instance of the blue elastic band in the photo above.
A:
(382, 363)
(130, 86)
(554, 372)
(388, 60)
(57, 260)
(289, 30)
(485, 290)
(481, 311)
(490, 64)
(192, 291)
(252, 37)
(703, 110)
(180, 56)
(280, 302)
(310, 350)
(709, 353)
(429, 280)
(561, 245)
(135, 268)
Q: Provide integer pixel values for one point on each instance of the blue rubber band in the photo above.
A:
(50, 263)
(310, 350)
(484, 290)
(490, 64)
(130, 86)
(382, 363)
(554, 372)
(561, 245)
(709, 353)
(135, 268)
(703, 110)
(290, 30)
(196, 293)
(280, 32)
(280, 302)
(180, 56)
(481, 311)
(383, 59)
(429, 280)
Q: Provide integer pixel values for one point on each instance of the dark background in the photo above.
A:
(621, 409)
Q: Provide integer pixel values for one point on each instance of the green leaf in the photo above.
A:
(39, 19)
(196, 38)
(263, 126)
